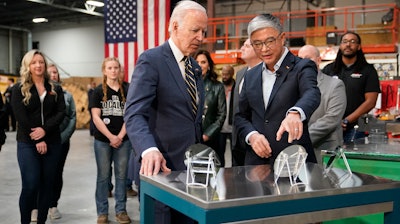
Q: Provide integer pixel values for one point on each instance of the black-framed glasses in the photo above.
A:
(349, 41)
(270, 42)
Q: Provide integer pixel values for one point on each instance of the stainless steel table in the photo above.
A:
(380, 159)
(248, 193)
(389, 150)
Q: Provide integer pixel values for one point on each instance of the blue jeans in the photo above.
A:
(38, 173)
(105, 155)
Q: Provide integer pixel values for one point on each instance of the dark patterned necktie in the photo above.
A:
(190, 84)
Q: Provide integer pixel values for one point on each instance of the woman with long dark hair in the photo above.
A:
(214, 105)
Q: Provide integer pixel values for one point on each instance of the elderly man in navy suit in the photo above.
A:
(162, 118)
(278, 96)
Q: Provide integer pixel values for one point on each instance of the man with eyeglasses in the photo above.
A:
(278, 96)
(361, 82)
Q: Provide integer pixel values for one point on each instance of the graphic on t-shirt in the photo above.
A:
(113, 107)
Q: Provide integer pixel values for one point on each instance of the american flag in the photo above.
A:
(133, 26)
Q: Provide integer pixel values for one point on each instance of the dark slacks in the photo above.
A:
(58, 183)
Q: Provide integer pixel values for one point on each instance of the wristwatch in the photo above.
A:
(345, 121)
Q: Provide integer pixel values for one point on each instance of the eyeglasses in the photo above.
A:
(270, 42)
(352, 42)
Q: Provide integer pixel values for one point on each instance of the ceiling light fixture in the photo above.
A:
(95, 3)
(40, 20)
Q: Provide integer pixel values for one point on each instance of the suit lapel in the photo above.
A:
(320, 78)
(254, 78)
(240, 75)
(176, 73)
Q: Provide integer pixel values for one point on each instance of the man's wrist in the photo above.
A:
(345, 121)
(293, 112)
(247, 138)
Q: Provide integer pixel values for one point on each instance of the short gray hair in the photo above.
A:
(264, 21)
(180, 9)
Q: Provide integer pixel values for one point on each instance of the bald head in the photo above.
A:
(228, 69)
(227, 74)
(310, 52)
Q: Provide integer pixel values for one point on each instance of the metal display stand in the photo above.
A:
(293, 158)
(336, 155)
(200, 159)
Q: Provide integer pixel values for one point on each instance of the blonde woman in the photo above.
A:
(41, 108)
(111, 144)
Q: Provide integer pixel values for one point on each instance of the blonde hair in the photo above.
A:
(26, 75)
(58, 74)
(103, 67)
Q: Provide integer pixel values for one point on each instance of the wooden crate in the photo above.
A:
(374, 33)
(78, 87)
(317, 35)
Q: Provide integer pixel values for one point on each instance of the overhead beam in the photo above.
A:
(51, 4)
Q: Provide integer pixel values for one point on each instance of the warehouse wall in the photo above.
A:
(11, 43)
(78, 51)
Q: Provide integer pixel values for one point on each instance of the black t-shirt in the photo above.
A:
(356, 83)
(112, 111)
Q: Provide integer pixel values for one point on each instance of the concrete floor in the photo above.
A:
(77, 203)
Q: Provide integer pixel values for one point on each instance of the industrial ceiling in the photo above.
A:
(19, 13)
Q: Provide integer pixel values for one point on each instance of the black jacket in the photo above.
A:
(214, 107)
(30, 116)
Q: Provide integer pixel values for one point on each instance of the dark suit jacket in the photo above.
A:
(239, 146)
(239, 77)
(158, 108)
(295, 85)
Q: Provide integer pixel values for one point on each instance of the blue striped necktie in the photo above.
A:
(190, 83)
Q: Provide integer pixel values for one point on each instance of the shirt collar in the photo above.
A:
(279, 62)
(175, 50)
